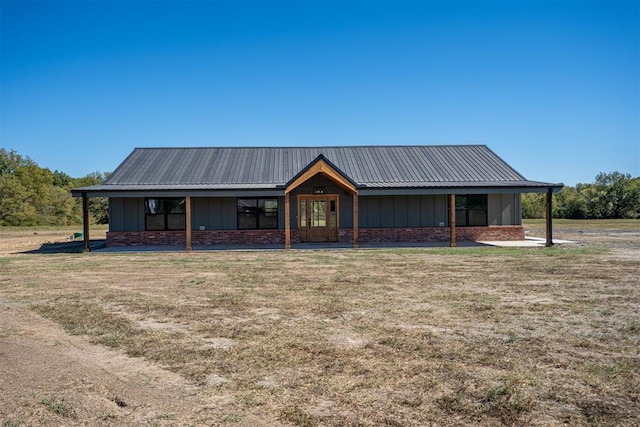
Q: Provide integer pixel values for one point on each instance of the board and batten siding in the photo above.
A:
(504, 209)
(220, 213)
(214, 213)
(126, 214)
(430, 211)
(402, 211)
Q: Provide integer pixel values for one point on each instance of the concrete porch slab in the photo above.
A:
(528, 242)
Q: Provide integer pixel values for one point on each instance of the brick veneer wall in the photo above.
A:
(502, 232)
(433, 234)
(271, 237)
(141, 238)
(234, 237)
(198, 238)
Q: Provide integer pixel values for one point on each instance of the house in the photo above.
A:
(287, 195)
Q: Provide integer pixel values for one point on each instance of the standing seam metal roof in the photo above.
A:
(269, 167)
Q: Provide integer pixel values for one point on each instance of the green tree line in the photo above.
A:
(31, 195)
(613, 195)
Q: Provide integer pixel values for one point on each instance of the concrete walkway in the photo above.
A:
(529, 242)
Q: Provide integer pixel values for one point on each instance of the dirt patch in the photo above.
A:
(52, 378)
(617, 235)
(217, 343)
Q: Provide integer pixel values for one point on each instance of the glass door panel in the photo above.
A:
(318, 213)
(318, 218)
(303, 213)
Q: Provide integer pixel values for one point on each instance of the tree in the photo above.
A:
(633, 190)
(98, 206)
(23, 190)
(61, 179)
(31, 195)
(569, 204)
(15, 209)
(533, 205)
(613, 195)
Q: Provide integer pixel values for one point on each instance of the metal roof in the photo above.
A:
(236, 168)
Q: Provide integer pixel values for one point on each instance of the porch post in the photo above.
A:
(85, 222)
(287, 222)
(452, 220)
(549, 215)
(355, 221)
(187, 204)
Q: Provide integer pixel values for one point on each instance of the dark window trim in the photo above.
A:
(256, 213)
(165, 215)
(467, 210)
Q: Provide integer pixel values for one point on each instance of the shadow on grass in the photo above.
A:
(70, 247)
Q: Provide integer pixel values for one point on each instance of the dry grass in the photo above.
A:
(586, 224)
(372, 337)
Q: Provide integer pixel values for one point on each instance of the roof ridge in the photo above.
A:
(310, 147)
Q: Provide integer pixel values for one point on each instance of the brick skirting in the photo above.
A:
(434, 234)
(146, 238)
(198, 238)
(502, 232)
(272, 237)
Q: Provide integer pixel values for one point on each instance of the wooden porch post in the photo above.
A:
(85, 222)
(549, 215)
(356, 245)
(187, 204)
(287, 222)
(452, 220)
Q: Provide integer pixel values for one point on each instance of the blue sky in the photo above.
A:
(552, 87)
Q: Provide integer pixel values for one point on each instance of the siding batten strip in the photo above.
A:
(452, 220)
(187, 204)
(355, 220)
(287, 222)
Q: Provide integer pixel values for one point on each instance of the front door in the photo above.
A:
(318, 218)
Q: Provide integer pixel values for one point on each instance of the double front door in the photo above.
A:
(318, 218)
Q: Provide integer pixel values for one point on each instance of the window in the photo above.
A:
(164, 214)
(471, 210)
(257, 213)
(332, 213)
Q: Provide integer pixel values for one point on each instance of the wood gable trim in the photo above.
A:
(321, 166)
